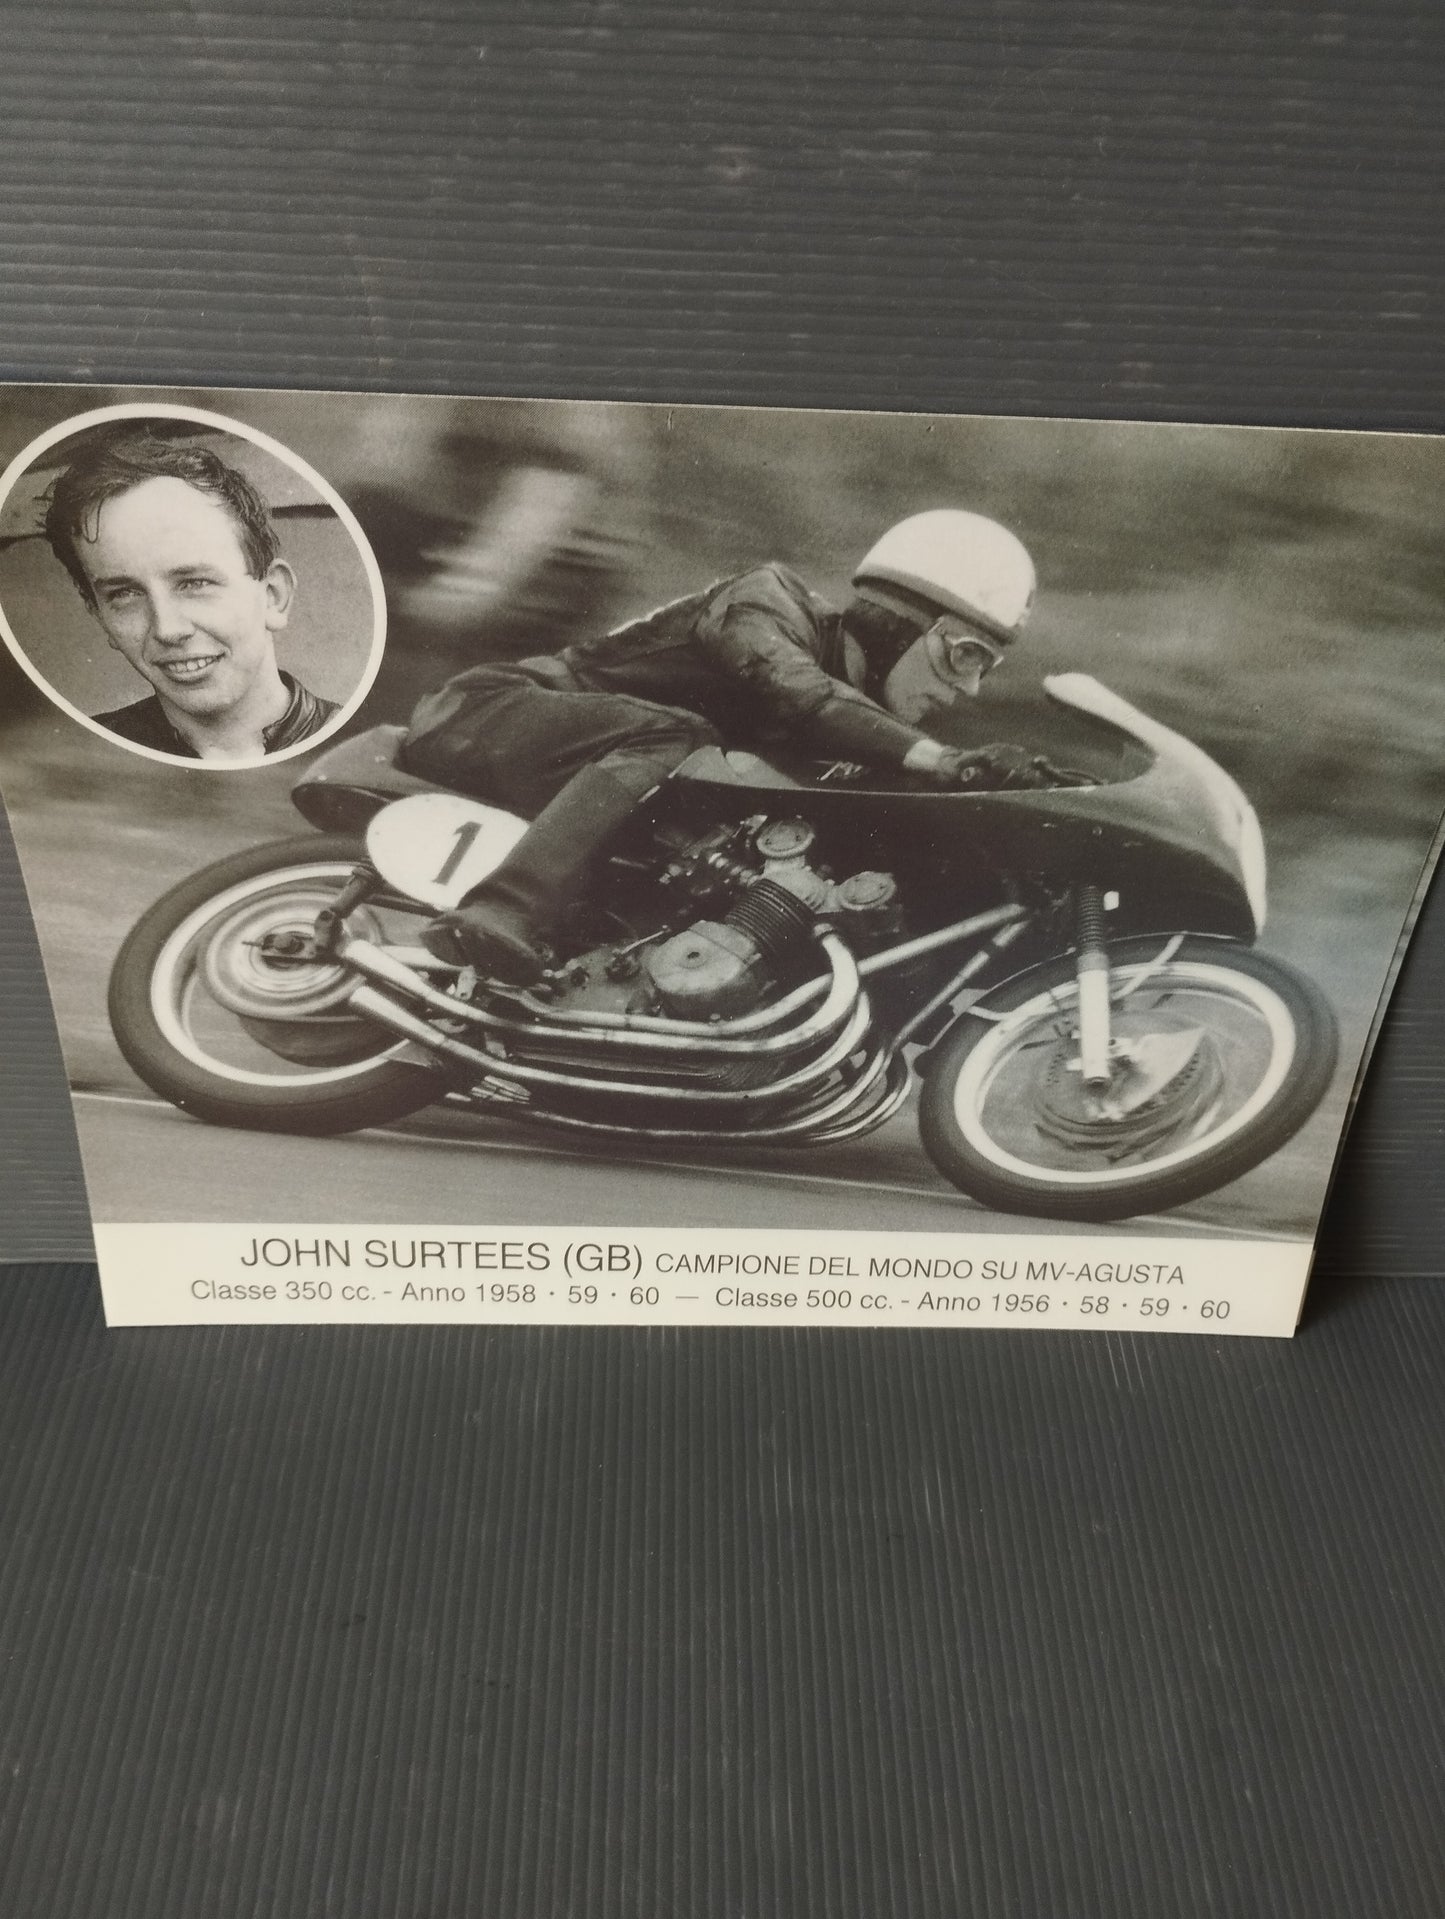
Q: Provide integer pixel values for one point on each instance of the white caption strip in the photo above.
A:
(208, 1275)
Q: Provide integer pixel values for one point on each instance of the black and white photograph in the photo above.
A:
(185, 588)
(901, 868)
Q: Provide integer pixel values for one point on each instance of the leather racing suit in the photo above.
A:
(754, 661)
(575, 740)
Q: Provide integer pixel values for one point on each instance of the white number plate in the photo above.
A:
(436, 847)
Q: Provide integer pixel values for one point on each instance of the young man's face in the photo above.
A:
(175, 598)
(943, 666)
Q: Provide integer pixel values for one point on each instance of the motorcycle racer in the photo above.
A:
(576, 740)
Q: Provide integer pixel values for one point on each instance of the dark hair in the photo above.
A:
(111, 461)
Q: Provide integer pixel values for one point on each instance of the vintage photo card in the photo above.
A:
(507, 861)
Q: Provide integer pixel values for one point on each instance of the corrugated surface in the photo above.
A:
(44, 1213)
(1387, 1210)
(694, 1626)
(1223, 210)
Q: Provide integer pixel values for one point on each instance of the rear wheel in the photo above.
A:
(1220, 1055)
(216, 1005)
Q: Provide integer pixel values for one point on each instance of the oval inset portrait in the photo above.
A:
(186, 586)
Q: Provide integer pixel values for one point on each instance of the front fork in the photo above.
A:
(364, 881)
(1095, 1038)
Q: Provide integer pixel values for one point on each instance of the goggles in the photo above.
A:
(963, 647)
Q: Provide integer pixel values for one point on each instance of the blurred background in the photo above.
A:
(327, 639)
(1273, 594)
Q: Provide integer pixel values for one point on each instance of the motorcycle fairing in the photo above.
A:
(1196, 778)
(1179, 834)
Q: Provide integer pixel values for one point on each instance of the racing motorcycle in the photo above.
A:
(773, 954)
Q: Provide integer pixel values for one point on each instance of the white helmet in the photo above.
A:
(959, 562)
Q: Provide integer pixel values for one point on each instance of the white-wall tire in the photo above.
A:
(156, 977)
(1275, 1041)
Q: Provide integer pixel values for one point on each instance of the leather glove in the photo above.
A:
(992, 769)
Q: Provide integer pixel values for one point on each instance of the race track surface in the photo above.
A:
(145, 1161)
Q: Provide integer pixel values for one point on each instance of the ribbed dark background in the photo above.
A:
(564, 1625)
(555, 1622)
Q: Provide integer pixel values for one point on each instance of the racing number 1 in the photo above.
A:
(462, 843)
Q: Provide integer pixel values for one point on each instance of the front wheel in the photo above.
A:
(212, 1013)
(1219, 1056)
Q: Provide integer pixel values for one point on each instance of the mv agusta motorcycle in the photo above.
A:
(773, 956)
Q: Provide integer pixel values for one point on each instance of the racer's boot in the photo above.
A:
(501, 927)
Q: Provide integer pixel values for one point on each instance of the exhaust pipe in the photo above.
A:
(638, 1035)
(397, 1019)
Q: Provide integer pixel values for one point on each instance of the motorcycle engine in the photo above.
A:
(721, 967)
